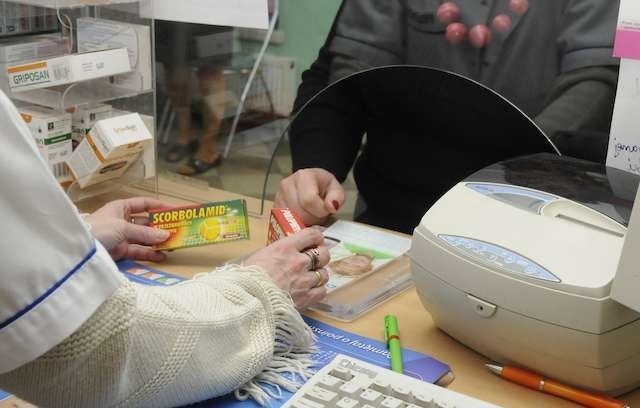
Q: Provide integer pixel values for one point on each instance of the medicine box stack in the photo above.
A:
(95, 34)
(51, 130)
(109, 149)
(282, 223)
(25, 49)
(25, 19)
(205, 224)
(32, 47)
(67, 69)
(85, 117)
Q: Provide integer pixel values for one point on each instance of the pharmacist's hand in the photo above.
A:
(313, 193)
(121, 229)
(286, 262)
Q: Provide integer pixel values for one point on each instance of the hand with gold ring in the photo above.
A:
(288, 262)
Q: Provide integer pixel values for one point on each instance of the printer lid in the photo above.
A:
(604, 189)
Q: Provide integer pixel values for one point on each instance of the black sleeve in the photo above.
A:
(328, 128)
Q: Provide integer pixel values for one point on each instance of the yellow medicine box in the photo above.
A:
(205, 224)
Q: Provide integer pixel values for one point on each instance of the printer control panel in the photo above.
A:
(523, 198)
(495, 255)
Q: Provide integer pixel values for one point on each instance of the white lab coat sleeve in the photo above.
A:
(54, 274)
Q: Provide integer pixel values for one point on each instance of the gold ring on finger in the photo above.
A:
(319, 279)
(314, 257)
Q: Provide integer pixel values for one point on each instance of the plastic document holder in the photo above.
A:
(352, 301)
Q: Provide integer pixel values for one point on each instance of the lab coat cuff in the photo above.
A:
(60, 311)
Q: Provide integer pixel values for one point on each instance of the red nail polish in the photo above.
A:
(336, 204)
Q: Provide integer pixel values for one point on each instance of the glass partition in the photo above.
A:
(428, 123)
(219, 111)
(225, 95)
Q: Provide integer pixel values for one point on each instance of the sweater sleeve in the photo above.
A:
(161, 347)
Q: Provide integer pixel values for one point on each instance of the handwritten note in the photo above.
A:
(624, 142)
(233, 13)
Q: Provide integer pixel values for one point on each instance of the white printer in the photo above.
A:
(517, 262)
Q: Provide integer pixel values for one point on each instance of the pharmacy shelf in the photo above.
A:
(71, 3)
(134, 175)
(97, 76)
(66, 96)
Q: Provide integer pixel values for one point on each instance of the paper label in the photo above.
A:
(29, 74)
(627, 43)
(232, 13)
(624, 142)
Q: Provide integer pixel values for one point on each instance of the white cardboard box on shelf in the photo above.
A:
(71, 3)
(3, 23)
(51, 130)
(95, 34)
(67, 69)
(32, 47)
(84, 117)
(109, 149)
(24, 19)
(17, 18)
(149, 153)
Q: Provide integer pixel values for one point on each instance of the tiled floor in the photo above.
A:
(247, 165)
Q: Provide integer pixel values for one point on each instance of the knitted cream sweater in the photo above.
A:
(164, 347)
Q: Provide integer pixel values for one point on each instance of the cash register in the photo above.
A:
(518, 262)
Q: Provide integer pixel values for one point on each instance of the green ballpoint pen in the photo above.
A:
(392, 338)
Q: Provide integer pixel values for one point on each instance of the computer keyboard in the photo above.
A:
(347, 382)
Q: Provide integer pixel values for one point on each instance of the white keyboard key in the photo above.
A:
(350, 389)
(302, 402)
(321, 395)
(380, 385)
(342, 373)
(422, 400)
(412, 406)
(391, 402)
(330, 382)
(347, 402)
(370, 396)
(402, 392)
(443, 404)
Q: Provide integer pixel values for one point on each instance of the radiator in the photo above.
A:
(275, 77)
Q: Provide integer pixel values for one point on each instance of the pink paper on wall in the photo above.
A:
(627, 44)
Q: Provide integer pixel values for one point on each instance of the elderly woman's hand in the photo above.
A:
(290, 263)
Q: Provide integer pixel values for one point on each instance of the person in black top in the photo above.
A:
(554, 62)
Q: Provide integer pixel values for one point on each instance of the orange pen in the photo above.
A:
(539, 383)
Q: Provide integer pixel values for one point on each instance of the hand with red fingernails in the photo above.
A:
(315, 194)
(480, 35)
